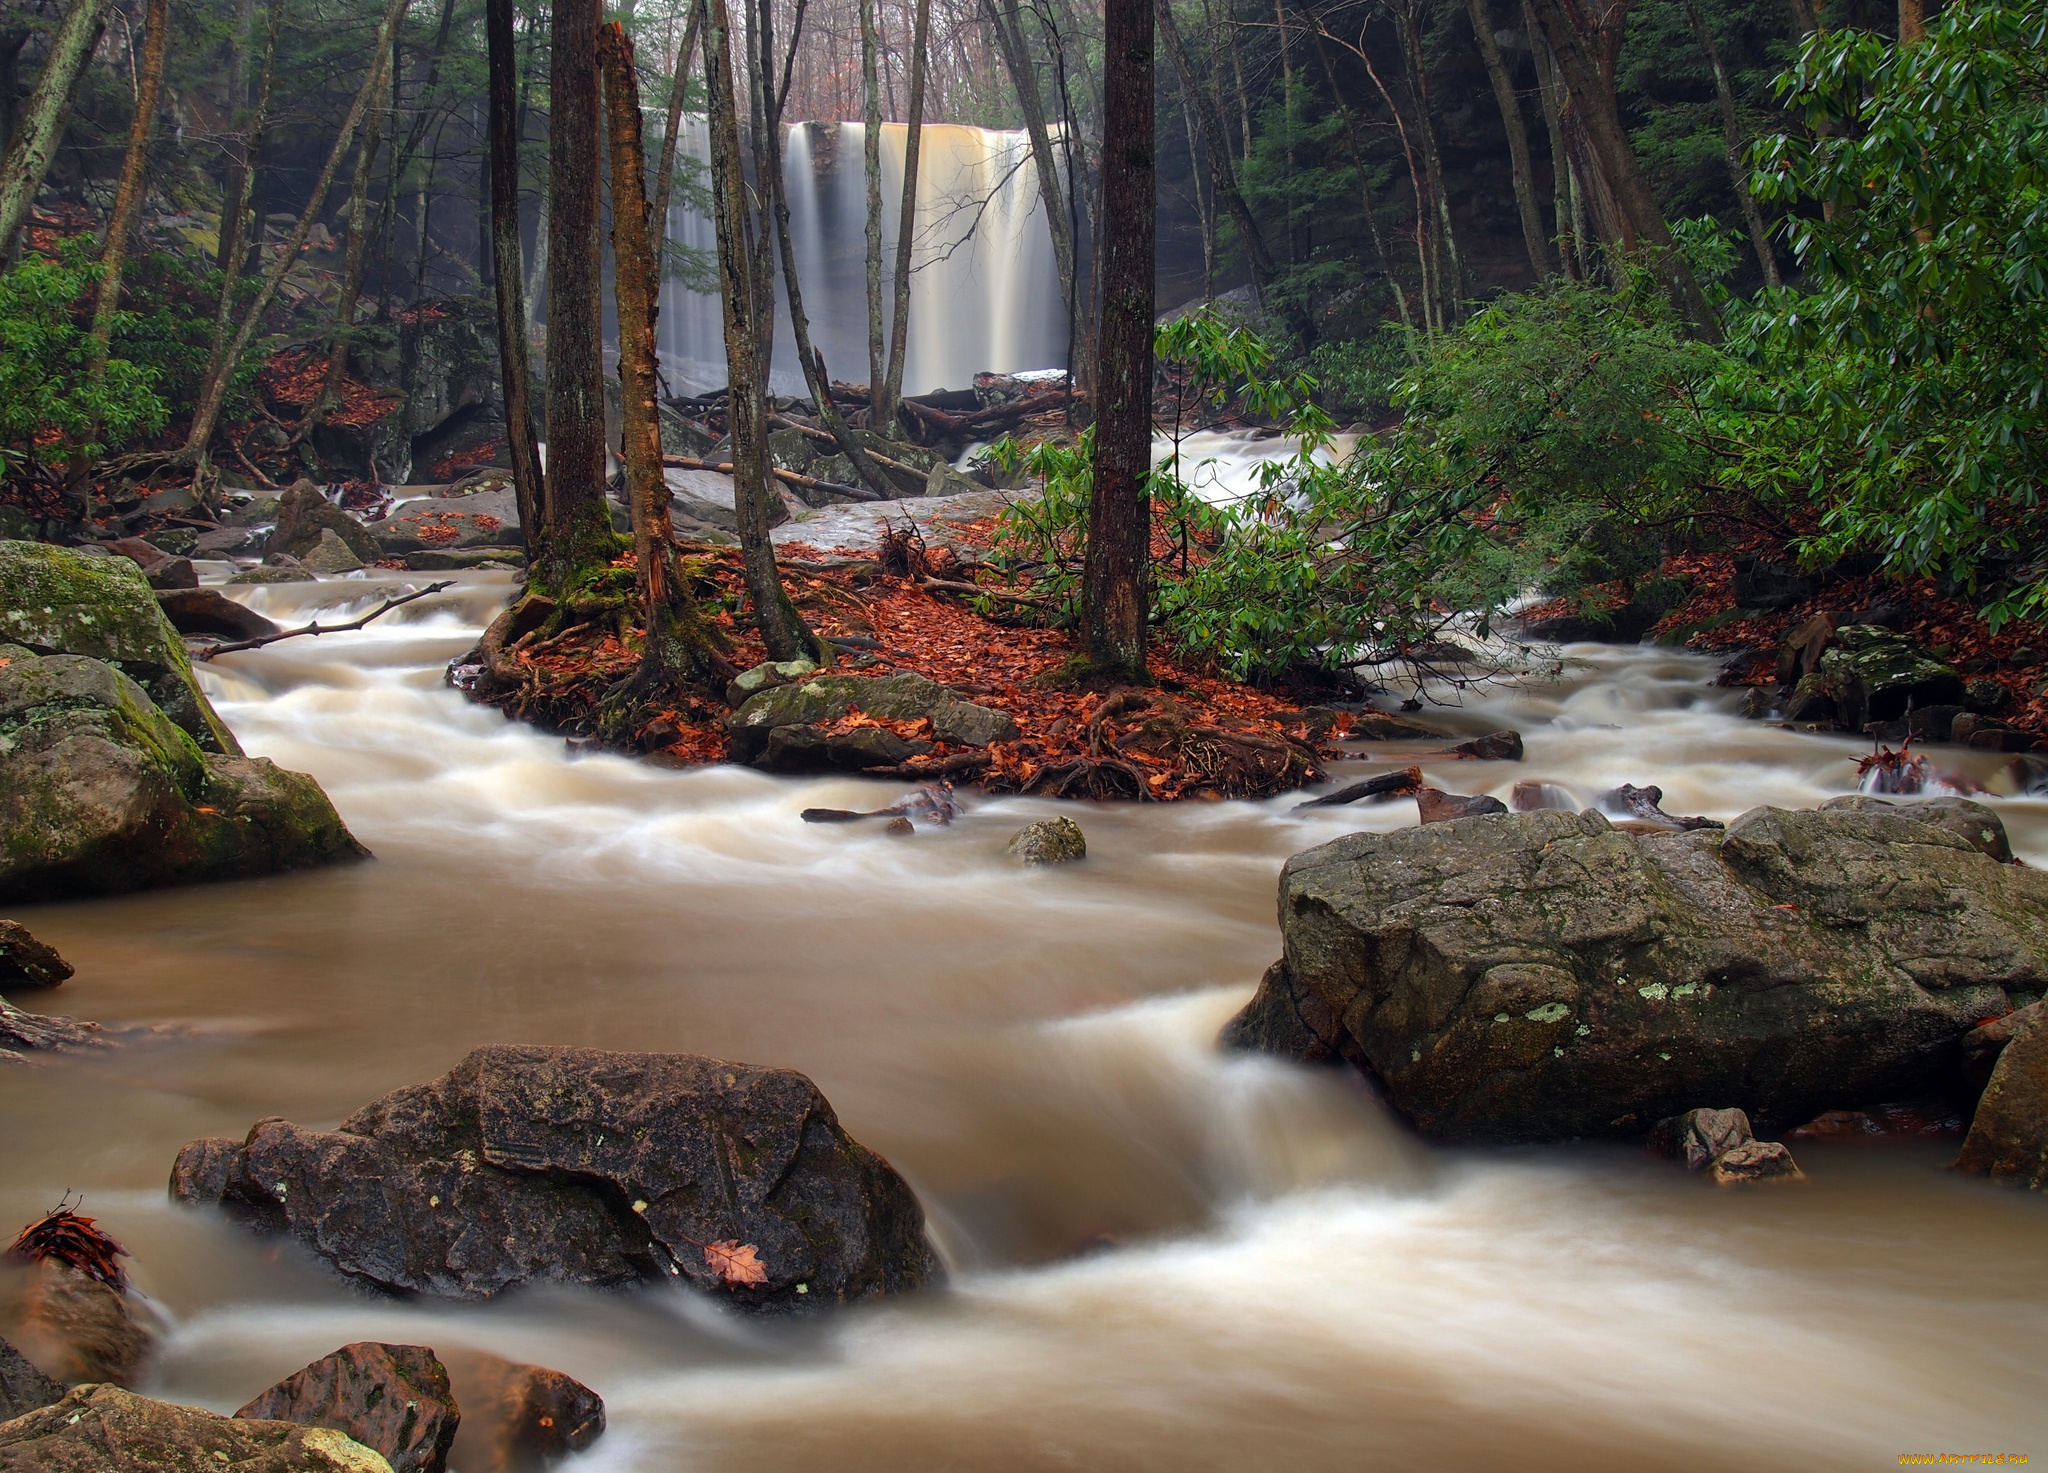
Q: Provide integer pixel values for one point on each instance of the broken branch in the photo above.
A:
(316, 627)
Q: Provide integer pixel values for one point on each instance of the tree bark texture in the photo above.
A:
(514, 357)
(884, 412)
(577, 527)
(128, 197)
(782, 629)
(1592, 99)
(40, 127)
(1518, 136)
(1113, 594)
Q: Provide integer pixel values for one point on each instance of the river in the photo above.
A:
(1160, 1257)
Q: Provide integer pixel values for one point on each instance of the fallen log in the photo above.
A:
(794, 478)
(909, 475)
(1387, 785)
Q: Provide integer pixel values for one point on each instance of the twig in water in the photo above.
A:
(316, 627)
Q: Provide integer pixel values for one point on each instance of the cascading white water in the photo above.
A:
(985, 292)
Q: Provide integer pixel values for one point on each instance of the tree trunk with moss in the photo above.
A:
(577, 535)
(783, 630)
(41, 124)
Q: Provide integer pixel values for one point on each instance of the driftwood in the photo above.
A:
(1387, 785)
(794, 478)
(316, 627)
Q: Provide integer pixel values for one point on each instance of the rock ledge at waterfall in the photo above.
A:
(543, 1165)
(1539, 976)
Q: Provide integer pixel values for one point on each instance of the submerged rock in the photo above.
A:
(518, 1416)
(1541, 976)
(100, 792)
(537, 1165)
(22, 1033)
(2008, 1139)
(56, 602)
(27, 962)
(393, 1399)
(791, 727)
(1049, 841)
(103, 1429)
(23, 1388)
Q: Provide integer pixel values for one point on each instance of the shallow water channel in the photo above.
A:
(1160, 1257)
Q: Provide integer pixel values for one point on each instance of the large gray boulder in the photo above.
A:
(101, 792)
(304, 515)
(103, 1429)
(54, 601)
(1539, 976)
(539, 1165)
(794, 727)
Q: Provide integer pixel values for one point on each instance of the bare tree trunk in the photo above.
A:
(514, 357)
(578, 533)
(1518, 136)
(671, 139)
(674, 640)
(1592, 99)
(1221, 173)
(871, 163)
(1731, 134)
(884, 411)
(1912, 22)
(1359, 165)
(220, 366)
(236, 255)
(1408, 22)
(1547, 87)
(1205, 204)
(783, 630)
(1432, 313)
(355, 259)
(235, 177)
(128, 198)
(1113, 593)
(1004, 20)
(37, 133)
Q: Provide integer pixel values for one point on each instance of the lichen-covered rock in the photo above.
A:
(103, 1429)
(2008, 1139)
(27, 962)
(101, 792)
(1048, 841)
(56, 602)
(303, 514)
(1540, 976)
(1979, 827)
(393, 1399)
(789, 727)
(767, 676)
(1872, 674)
(538, 1165)
(23, 1388)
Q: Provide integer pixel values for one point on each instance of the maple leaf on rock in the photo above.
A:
(735, 1262)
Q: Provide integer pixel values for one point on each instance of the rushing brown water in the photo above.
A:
(1161, 1257)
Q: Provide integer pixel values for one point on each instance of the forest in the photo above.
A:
(1599, 289)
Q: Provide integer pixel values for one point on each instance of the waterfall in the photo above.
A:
(984, 286)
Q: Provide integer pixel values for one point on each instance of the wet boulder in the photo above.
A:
(100, 792)
(103, 1429)
(485, 518)
(54, 601)
(2008, 1139)
(304, 514)
(1049, 841)
(394, 1399)
(80, 1329)
(1976, 825)
(1540, 976)
(1872, 674)
(802, 726)
(330, 555)
(518, 1417)
(208, 612)
(23, 1388)
(27, 962)
(1721, 1144)
(538, 1165)
(1434, 805)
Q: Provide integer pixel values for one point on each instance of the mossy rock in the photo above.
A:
(100, 792)
(59, 602)
(104, 1429)
(1875, 675)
